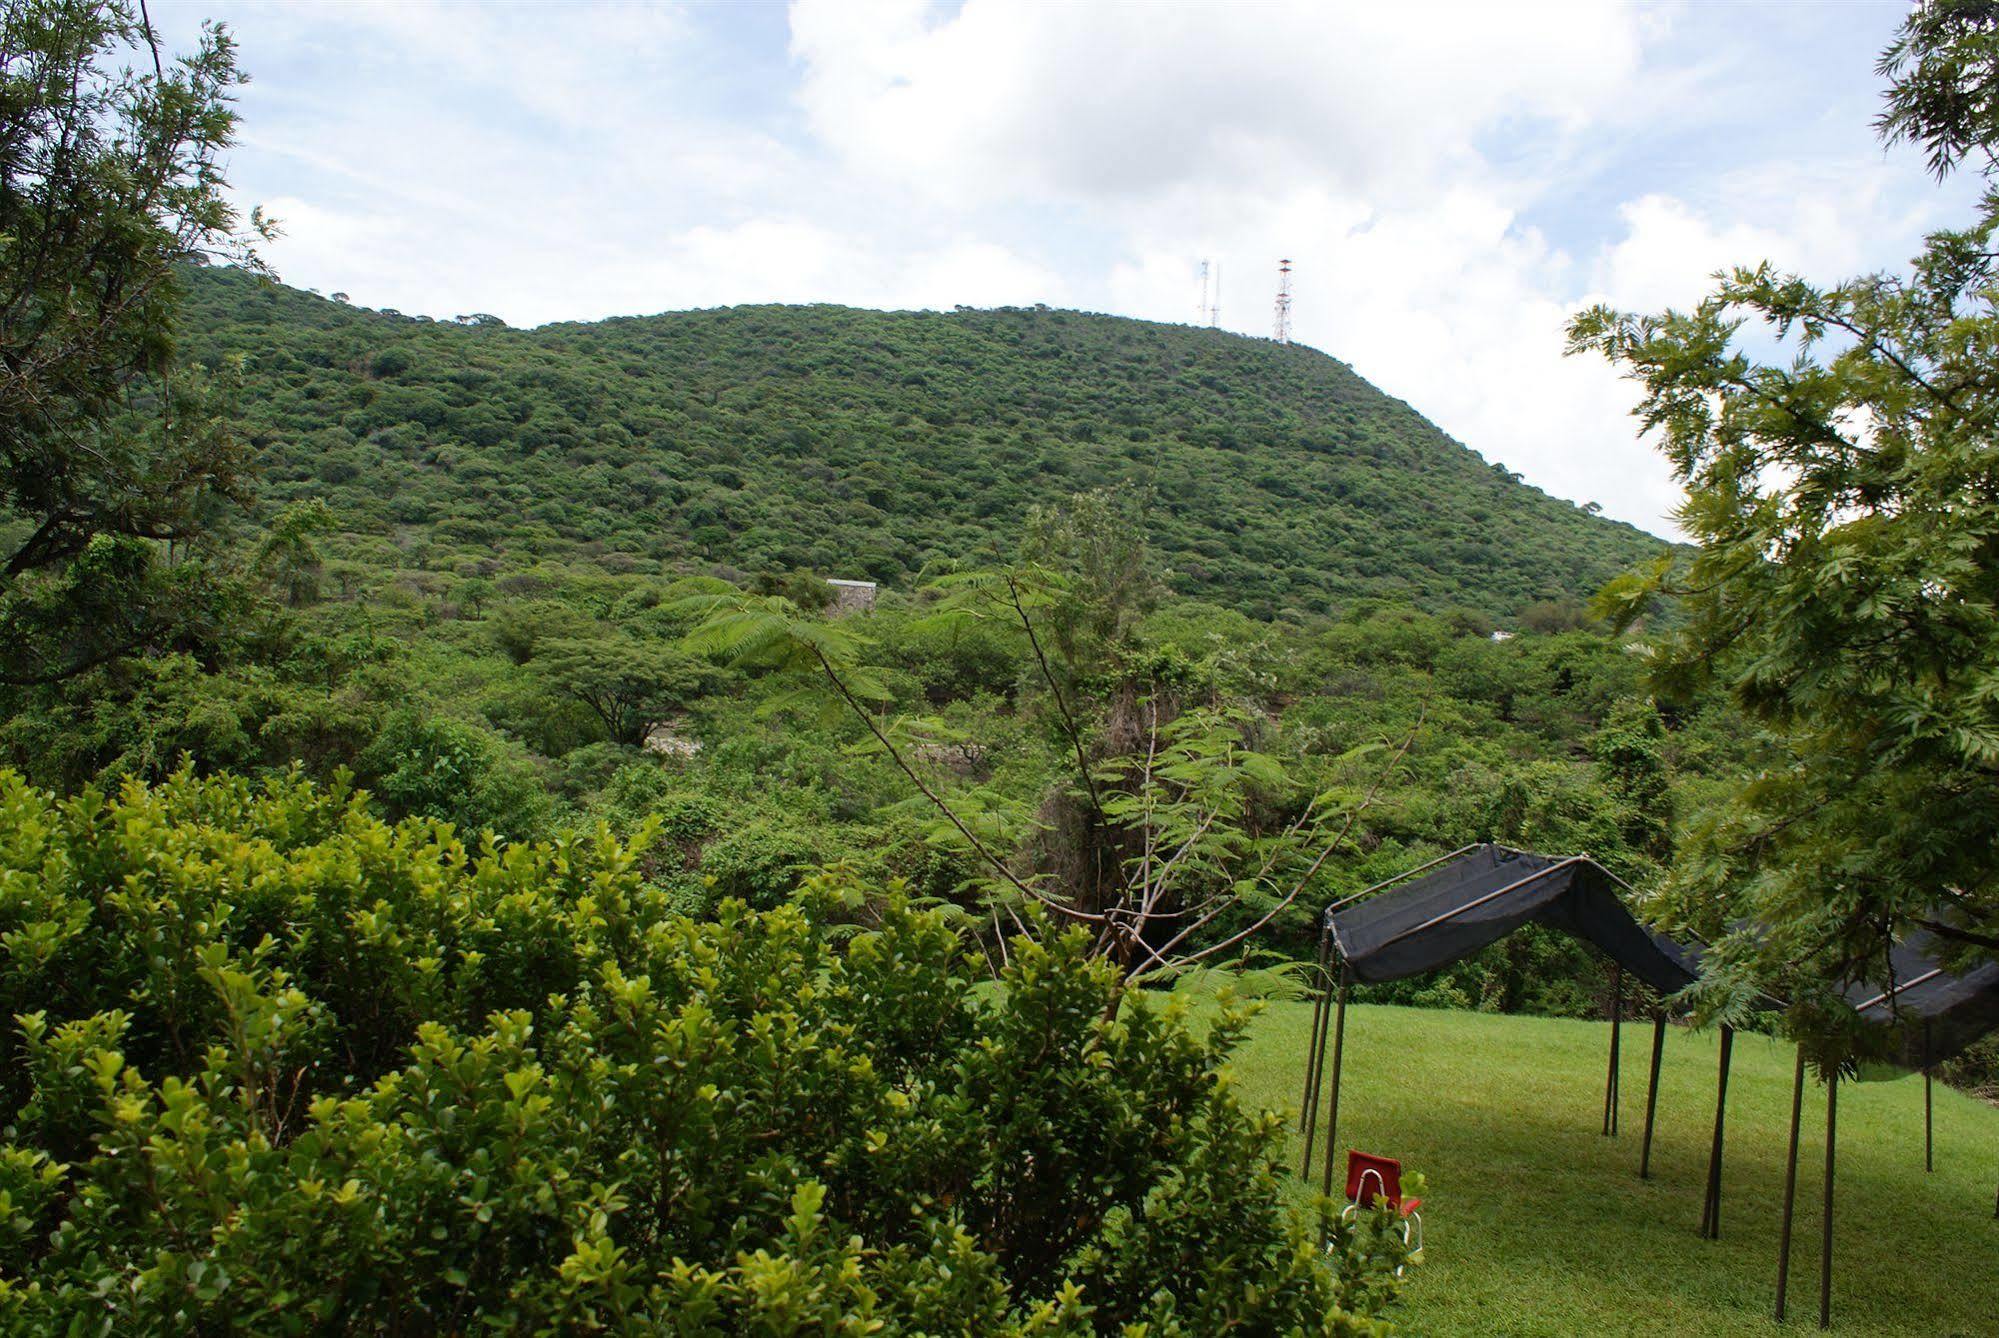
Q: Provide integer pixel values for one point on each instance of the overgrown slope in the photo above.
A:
(866, 443)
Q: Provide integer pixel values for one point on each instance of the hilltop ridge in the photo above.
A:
(870, 443)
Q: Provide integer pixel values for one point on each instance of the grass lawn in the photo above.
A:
(1537, 1224)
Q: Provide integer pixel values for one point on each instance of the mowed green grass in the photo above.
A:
(1538, 1224)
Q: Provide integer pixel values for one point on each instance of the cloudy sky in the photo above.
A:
(1451, 180)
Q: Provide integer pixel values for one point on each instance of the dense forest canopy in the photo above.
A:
(874, 444)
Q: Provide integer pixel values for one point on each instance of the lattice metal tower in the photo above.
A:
(1281, 326)
(1201, 317)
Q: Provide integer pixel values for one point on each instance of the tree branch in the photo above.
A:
(895, 754)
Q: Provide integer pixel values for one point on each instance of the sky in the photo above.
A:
(1451, 181)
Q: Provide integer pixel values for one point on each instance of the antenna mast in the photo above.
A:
(1281, 330)
(1201, 318)
(1215, 311)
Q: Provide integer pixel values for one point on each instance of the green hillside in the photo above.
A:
(869, 443)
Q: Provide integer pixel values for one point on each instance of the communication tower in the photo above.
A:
(1281, 327)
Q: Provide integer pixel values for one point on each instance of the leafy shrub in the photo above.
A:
(761, 861)
(281, 1067)
(424, 765)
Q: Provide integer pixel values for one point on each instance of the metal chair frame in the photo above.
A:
(1412, 1221)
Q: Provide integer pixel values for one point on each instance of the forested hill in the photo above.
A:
(866, 443)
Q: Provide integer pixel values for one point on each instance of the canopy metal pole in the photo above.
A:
(1929, 1126)
(1333, 1111)
(1903, 988)
(1652, 1094)
(1610, 1093)
(1825, 1232)
(1318, 1066)
(1711, 1213)
(1347, 901)
(1319, 1003)
(1790, 1186)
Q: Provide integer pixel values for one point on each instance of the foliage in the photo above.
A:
(1846, 587)
(441, 714)
(760, 442)
(1630, 753)
(433, 767)
(110, 450)
(280, 1066)
(1173, 838)
(1098, 539)
(288, 558)
(759, 861)
(629, 684)
(1943, 84)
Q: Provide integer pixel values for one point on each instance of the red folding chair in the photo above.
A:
(1370, 1178)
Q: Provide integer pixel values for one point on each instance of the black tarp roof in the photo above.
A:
(1485, 893)
(1935, 1013)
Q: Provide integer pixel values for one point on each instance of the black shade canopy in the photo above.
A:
(1934, 1013)
(1484, 894)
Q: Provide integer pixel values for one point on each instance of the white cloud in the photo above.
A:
(1823, 221)
(1670, 253)
(1396, 154)
(1116, 101)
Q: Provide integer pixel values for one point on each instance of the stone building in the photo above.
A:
(851, 597)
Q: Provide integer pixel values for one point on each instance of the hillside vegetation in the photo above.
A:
(461, 867)
(870, 444)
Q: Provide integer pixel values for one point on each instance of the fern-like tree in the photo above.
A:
(1844, 584)
(1189, 839)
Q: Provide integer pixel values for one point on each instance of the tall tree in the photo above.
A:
(630, 685)
(113, 459)
(1845, 587)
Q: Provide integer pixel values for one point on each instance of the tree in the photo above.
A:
(1098, 537)
(1189, 840)
(289, 558)
(1630, 754)
(630, 685)
(1845, 588)
(113, 459)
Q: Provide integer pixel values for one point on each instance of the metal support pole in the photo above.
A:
(1318, 1081)
(1610, 1079)
(1790, 1186)
(1318, 1067)
(1929, 1126)
(1711, 1212)
(1333, 1111)
(1319, 1004)
(1825, 1230)
(1652, 1095)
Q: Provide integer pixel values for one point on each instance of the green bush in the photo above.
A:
(281, 1067)
(761, 861)
(425, 765)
